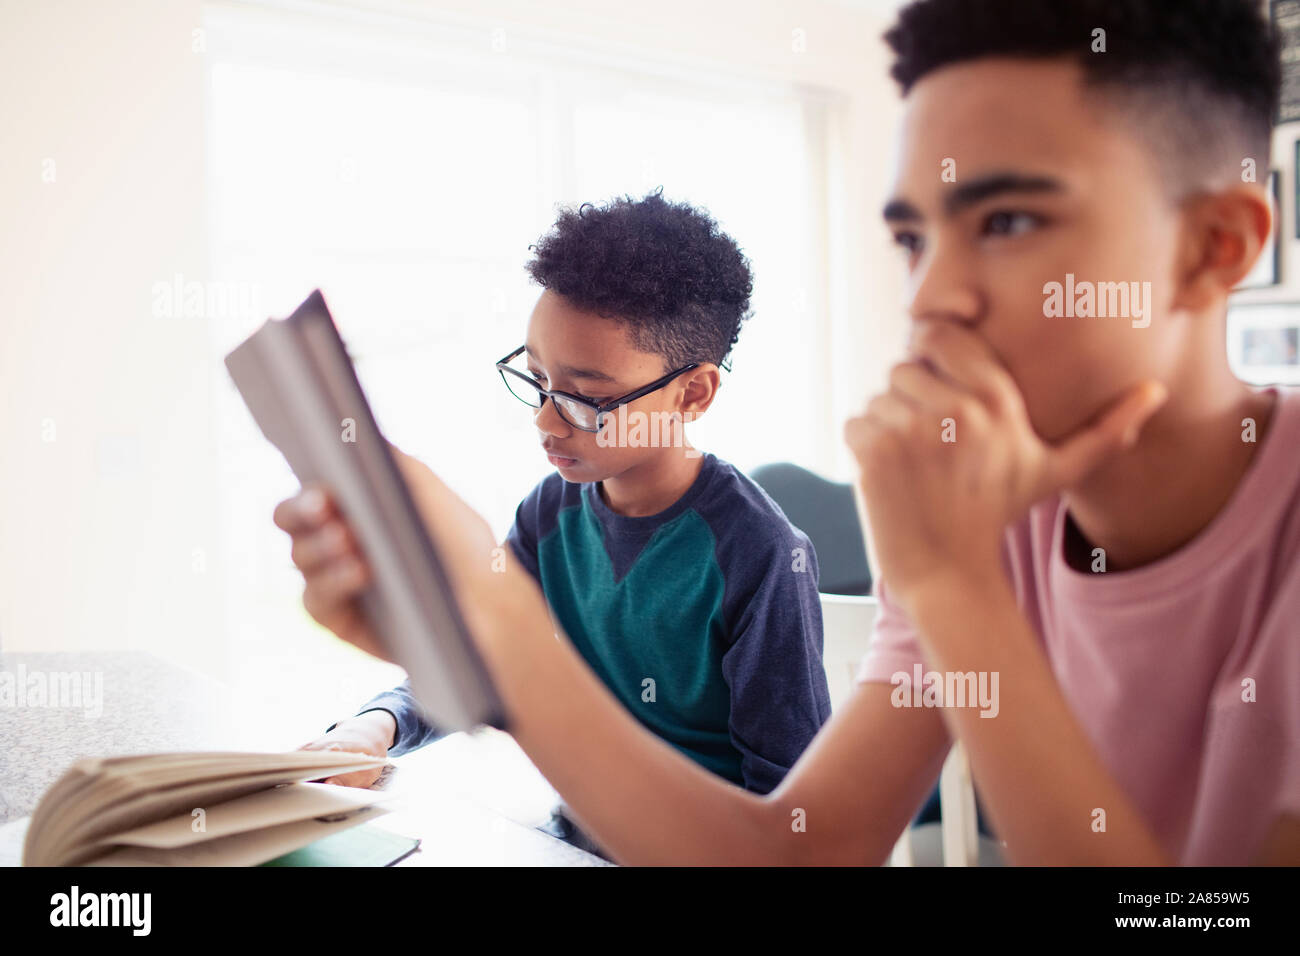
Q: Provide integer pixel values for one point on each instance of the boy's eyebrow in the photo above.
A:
(589, 374)
(900, 210)
(975, 191)
(586, 373)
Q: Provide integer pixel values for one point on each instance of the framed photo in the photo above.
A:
(1295, 192)
(1268, 269)
(1285, 15)
(1264, 343)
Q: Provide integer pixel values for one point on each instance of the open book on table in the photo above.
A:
(210, 809)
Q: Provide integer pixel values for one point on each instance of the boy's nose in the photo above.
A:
(548, 420)
(943, 289)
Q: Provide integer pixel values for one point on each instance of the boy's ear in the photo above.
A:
(699, 388)
(1223, 236)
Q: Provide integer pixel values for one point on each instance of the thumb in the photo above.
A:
(1112, 431)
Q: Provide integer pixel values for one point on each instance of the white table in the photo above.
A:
(470, 799)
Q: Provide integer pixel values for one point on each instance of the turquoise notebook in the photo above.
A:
(358, 846)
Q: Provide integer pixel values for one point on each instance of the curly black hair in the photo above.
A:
(662, 269)
(1206, 71)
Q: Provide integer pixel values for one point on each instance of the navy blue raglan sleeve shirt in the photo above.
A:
(703, 620)
(773, 667)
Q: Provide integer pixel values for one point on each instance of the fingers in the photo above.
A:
(361, 779)
(967, 361)
(919, 401)
(892, 410)
(336, 581)
(330, 543)
(332, 585)
(355, 778)
(925, 388)
(324, 550)
(1115, 429)
(305, 511)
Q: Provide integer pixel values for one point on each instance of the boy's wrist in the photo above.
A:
(954, 586)
(383, 722)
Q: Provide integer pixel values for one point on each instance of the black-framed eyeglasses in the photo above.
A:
(579, 412)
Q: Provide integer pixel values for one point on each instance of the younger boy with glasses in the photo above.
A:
(678, 580)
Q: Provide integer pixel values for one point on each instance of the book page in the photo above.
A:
(285, 804)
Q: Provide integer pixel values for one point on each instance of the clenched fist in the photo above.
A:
(948, 458)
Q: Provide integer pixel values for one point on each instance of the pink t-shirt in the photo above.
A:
(1155, 663)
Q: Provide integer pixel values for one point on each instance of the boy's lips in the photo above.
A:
(557, 459)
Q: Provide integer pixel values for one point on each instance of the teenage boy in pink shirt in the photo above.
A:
(1078, 498)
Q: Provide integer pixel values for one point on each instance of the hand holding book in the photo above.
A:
(485, 578)
(299, 382)
(332, 565)
(336, 573)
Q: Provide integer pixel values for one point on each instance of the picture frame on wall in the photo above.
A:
(1295, 190)
(1285, 15)
(1268, 268)
(1264, 343)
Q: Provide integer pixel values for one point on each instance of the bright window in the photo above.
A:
(405, 169)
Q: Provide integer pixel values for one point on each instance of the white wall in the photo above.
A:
(105, 424)
(107, 537)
